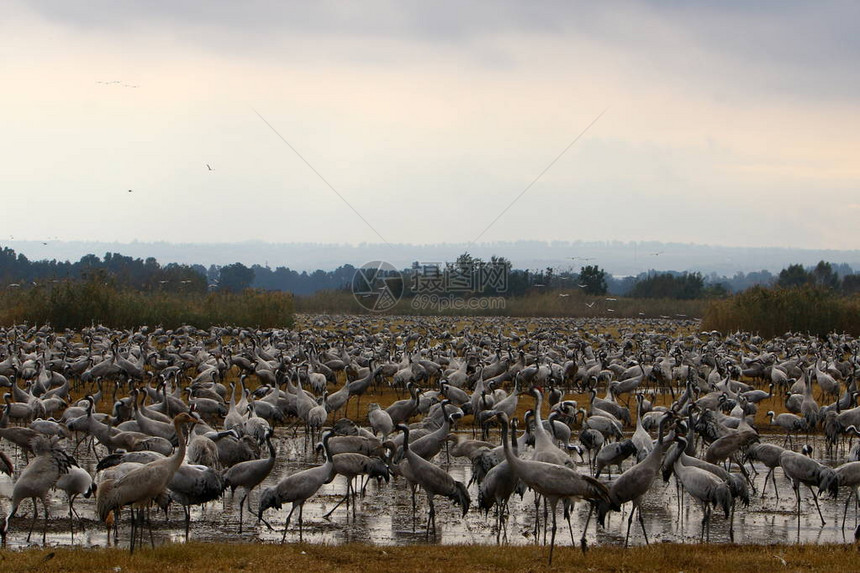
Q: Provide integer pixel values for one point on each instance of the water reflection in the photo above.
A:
(384, 516)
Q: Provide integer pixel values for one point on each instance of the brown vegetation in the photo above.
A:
(774, 311)
(79, 304)
(425, 558)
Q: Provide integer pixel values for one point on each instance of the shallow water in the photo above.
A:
(384, 516)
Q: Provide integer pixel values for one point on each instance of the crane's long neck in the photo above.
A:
(540, 432)
(538, 408)
(513, 460)
(178, 455)
(655, 456)
(405, 440)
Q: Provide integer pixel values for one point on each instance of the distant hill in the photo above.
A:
(617, 258)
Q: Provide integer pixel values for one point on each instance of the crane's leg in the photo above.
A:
(797, 495)
(642, 524)
(33, 523)
(582, 542)
(815, 499)
(773, 479)
(629, 524)
(45, 531)
(287, 523)
(414, 507)
(77, 515)
(301, 522)
(502, 533)
(746, 474)
(545, 519)
(337, 505)
(568, 509)
(570, 528)
(732, 523)
(149, 526)
(350, 492)
(187, 521)
(133, 530)
(552, 537)
(431, 516)
(845, 513)
(764, 487)
(241, 507)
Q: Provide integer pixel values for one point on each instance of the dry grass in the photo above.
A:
(424, 558)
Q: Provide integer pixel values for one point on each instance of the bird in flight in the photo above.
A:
(129, 190)
(589, 304)
(210, 168)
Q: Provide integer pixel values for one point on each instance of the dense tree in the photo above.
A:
(792, 276)
(823, 276)
(594, 280)
(667, 285)
(471, 275)
(851, 284)
(235, 278)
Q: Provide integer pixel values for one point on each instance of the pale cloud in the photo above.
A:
(722, 127)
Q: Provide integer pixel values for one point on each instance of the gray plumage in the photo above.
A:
(554, 482)
(194, 485)
(705, 487)
(612, 454)
(297, 488)
(49, 463)
(801, 469)
(249, 474)
(433, 480)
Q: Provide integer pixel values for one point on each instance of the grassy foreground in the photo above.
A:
(421, 558)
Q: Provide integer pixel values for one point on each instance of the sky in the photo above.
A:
(721, 123)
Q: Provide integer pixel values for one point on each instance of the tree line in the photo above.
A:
(467, 275)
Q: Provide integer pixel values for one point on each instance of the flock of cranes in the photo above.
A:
(159, 417)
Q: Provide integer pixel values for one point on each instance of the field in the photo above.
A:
(386, 531)
(668, 558)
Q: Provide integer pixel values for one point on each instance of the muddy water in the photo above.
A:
(384, 516)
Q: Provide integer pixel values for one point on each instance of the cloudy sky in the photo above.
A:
(725, 123)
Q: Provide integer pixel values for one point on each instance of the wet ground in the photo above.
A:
(384, 516)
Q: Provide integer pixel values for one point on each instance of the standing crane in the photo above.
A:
(552, 481)
(249, 474)
(297, 488)
(433, 480)
(142, 485)
(42, 473)
(632, 485)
